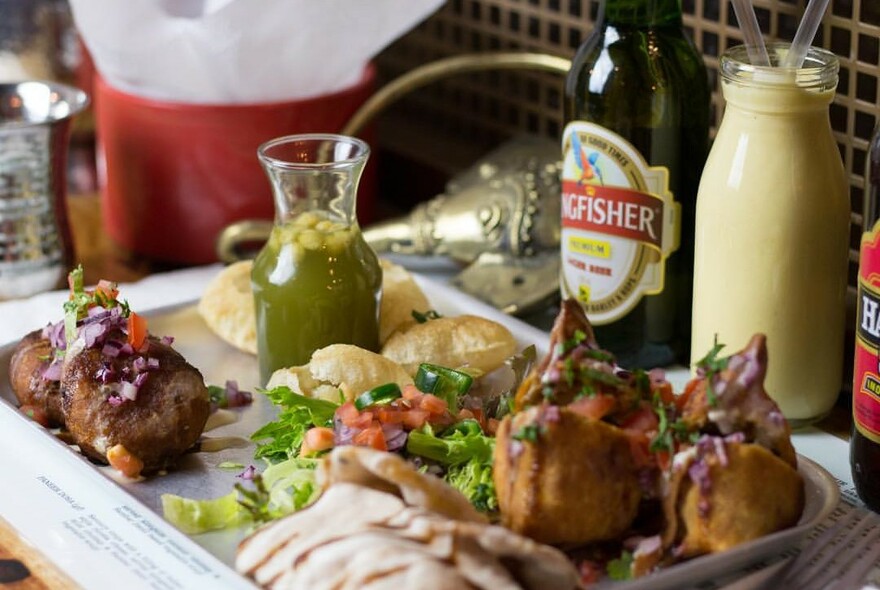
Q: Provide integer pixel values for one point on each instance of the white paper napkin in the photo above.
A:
(21, 316)
(240, 51)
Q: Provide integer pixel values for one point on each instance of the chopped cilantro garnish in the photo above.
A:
(642, 383)
(711, 366)
(576, 339)
(663, 441)
(529, 432)
(620, 568)
(590, 374)
(568, 371)
(587, 390)
(600, 355)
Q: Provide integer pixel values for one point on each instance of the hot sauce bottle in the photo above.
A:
(865, 441)
(637, 112)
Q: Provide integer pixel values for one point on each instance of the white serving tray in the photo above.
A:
(105, 531)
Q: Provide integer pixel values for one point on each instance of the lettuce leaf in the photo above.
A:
(281, 489)
(283, 437)
(474, 480)
(467, 454)
(462, 443)
(200, 516)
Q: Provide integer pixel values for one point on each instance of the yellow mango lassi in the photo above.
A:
(772, 228)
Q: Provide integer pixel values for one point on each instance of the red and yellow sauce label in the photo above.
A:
(866, 374)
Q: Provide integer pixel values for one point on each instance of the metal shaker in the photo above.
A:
(36, 248)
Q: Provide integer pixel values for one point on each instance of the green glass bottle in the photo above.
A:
(634, 145)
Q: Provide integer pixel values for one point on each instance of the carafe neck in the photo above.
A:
(318, 173)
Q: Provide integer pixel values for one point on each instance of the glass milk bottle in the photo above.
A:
(772, 229)
(316, 281)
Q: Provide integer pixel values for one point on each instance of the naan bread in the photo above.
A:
(365, 535)
(392, 473)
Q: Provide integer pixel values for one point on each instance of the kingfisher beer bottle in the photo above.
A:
(637, 113)
(865, 440)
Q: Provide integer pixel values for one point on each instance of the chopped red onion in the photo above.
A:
(55, 334)
(550, 414)
(139, 365)
(720, 451)
(248, 473)
(396, 441)
(699, 474)
(343, 435)
(140, 379)
(105, 374)
(736, 437)
(235, 397)
(53, 371)
(92, 333)
(648, 545)
(111, 348)
(152, 364)
(515, 448)
(114, 400)
(128, 390)
(167, 340)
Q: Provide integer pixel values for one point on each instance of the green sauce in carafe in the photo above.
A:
(316, 282)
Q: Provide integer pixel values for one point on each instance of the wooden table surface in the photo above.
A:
(22, 566)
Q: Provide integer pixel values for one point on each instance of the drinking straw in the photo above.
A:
(805, 33)
(748, 24)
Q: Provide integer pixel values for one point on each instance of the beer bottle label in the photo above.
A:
(866, 374)
(619, 222)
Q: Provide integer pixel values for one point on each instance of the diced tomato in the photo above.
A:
(664, 459)
(492, 426)
(316, 439)
(137, 330)
(664, 388)
(465, 414)
(414, 419)
(371, 437)
(389, 415)
(107, 289)
(643, 420)
(433, 404)
(595, 407)
(347, 413)
(124, 462)
(689, 390)
(411, 392)
(480, 417)
(36, 414)
(364, 420)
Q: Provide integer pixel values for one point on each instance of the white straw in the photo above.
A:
(805, 34)
(754, 40)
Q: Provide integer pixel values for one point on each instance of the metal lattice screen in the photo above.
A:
(455, 121)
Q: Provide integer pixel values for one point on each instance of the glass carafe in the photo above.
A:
(316, 282)
(772, 229)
